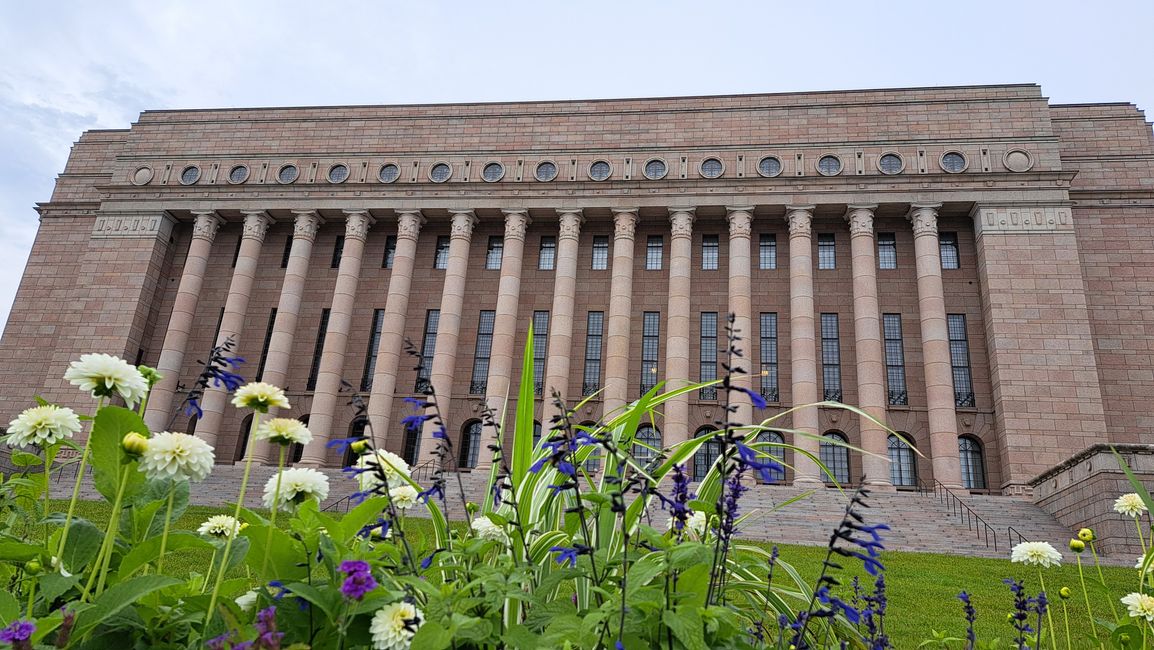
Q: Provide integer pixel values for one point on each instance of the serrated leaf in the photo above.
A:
(149, 550)
(112, 423)
(82, 545)
(117, 598)
(686, 625)
(431, 636)
(9, 607)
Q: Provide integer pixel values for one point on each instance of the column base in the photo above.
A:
(808, 482)
(879, 486)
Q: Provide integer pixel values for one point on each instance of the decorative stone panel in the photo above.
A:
(134, 226)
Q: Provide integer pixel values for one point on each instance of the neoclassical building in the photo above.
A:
(971, 266)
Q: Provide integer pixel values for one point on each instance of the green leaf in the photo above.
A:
(117, 598)
(21, 552)
(431, 636)
(686, 625)
(149, 550)
(518, 637)
(327, 601)
(643, 571)
(108, 429)
(25, 459)
(523, 423)
(368, 511)
(9, 607)
(285, 554)
(1134, 482)
(53, 585)
(84, 540)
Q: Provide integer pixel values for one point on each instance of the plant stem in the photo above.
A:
(208, 574)
(76, 487)
(1102, 580)
(31, 594)
(1066, 620)
(275, 507)
(1141, 539)
(49, 455)
(105, 556)
(167, 524)
(1049, 616)
(1086, 597)
(236, 515)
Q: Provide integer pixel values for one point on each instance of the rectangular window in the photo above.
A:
(480, 382)
(338, 250)
(600, 252)
(709, 248)
(374, 348)
(267, 341)
(895, 360)
(441, 256)
(315, 369)
(591, 380)
(887, 250)
(428, 349)
(654, 252)
(548, 257)
(650, 348)
(960, 361)
(540, 349)
(708, 354)
(948, 248)
(494, 252)
(288, 247)
(236, 253)
(767, 252)
(826, 252)
(830, 358)
(390, 252)
(769, 385)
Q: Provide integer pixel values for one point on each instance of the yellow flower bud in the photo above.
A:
(1086, 535)
(360, 447)
(1077, 545)
(1065, 593)
(134, 444)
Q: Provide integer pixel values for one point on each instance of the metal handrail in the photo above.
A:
(972, 519)
(419, 473)
(1012, 533)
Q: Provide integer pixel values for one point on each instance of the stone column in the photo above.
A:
(616, 393)
(280, 346)
(871, 367)
(557, 363)
(501, 356)
(802, 344)
(449, 326)
(180, 322)
(389, 351)
(323, 412)
(936, 346)
(741, 306)
(256, 224)
(678, 325)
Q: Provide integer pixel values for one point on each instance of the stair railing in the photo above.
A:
(969, 517)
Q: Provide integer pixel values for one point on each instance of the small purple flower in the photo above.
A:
(267, 636)
(358, 579)
(218, 642)
(769, 470)
(754, 396)
(18, 634)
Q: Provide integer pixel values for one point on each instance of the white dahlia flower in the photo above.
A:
(259, 396)
(695, 525)
(1140, 605)
(1141, 561)
(247, 600)
(43, 426)
(284, 431)
(393, 466)
(176, 456)
(104, 375)
(393, 626)
(222, 526)
(1040, 554)
(484, 528)
(1130, 505)
(403, 497)
(297, 485)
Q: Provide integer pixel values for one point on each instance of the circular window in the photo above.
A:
(829, 165)
(190, 175)
(711, 168)
(891, 163)
(492, 172)
(953, 162)
(287, 174)
(389, 173)
(338, 173)
(440, 172)
(546, 171)
(142, 176)
(769, 166)
(1017, 160)
(238, 174)
(600, 170)
(655, 169)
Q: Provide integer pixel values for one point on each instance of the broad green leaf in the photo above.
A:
(518, 637)
(118, 597)
(84, 540)
(327, 601)
(285, 554)
(106, 457)
(431, 636)
(149, 550)
(9, 607)
(523, 424)
(53, 584)
(20, 552)
(365, 513)
(686, 625)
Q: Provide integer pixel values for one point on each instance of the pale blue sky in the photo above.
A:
(70, 66)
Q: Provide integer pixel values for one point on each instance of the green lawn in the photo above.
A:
(922, 587)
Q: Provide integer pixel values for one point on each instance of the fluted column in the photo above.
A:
(449, 325)
(678, 325)
(802, 343)
(280, 346)
(936, 346)
(871, 368)
(616, 393)
(741, 306)
(393, 326)
(504, 321)
(557, 363)
(180, 322)
(256, 224)
(323, 412)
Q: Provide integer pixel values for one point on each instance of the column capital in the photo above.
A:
(740, 221)
(516, 223)
(463, 222)
(624, 222)
(924, 217)
(256, 223)
(409, 224)
(681, 220)
(570, 224)
(357, 224)
(206, 225)
(860, 218)
(306, 224)
(799, 218)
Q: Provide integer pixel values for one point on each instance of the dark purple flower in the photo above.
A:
(835, 604)
(218, 642)
(416, 421)
(971, 616)
(754, 396)
(358, 579)
(267, 636)
(342, 444)
(18, 634)
(769, 470)
(279, 586)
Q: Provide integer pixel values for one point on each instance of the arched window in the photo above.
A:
(973, 464)
(593, 462)
(706, 455)
(296, 451)
(356, 430)
(648, 435)
(191, 428)
(777, 452)
(411, 446)
(242, 439)
(834, 456)
(903, 467)
(470, 443)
